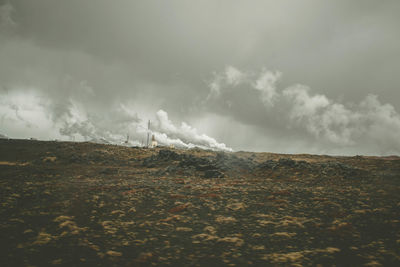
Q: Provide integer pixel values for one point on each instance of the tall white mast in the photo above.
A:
(148, 134)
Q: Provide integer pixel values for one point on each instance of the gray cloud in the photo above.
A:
(366, 126)
(6, 21)
(156, 55)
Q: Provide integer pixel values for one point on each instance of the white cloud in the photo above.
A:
(233, 75)
(368, 126)
(266, 84)
(319, 115)
(304, 104)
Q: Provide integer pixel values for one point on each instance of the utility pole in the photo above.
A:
(148, 134)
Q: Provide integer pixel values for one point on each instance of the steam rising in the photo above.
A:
(184, 135)
(78, 124)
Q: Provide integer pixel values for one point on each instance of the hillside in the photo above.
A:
(69, 204)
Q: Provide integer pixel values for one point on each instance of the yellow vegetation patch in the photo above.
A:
(237, 241)
(292, 257)
(289, 221)
(184, 229)
(114, 253)
(265, 216)
(297, 257)
(210, 229)
(222, 219)
(265, 222)
(56, 262)
(373, 264)
(120, 213)
(67, 222)
(330, 250)
(50, 159)
(361, 211)
(63, 218)
(127, 224)
(43, 238)
(109, 227)
(9, 163)
(236, 206)
(283, 234)
(203, 237)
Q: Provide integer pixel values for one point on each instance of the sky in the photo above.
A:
(305, 76)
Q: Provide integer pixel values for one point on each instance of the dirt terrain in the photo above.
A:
(85, 204)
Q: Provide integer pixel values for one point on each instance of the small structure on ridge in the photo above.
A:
(153, 141)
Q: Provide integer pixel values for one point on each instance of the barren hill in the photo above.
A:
(86, 204)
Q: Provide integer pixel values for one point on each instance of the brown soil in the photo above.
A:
(84, 204)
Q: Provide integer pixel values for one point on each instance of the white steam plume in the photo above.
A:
(184, 135)
(30, 112)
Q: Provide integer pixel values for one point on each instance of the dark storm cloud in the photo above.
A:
(82, 61)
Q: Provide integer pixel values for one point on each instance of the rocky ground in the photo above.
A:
(84, 204)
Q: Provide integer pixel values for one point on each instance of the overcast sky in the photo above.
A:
(279, 76)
